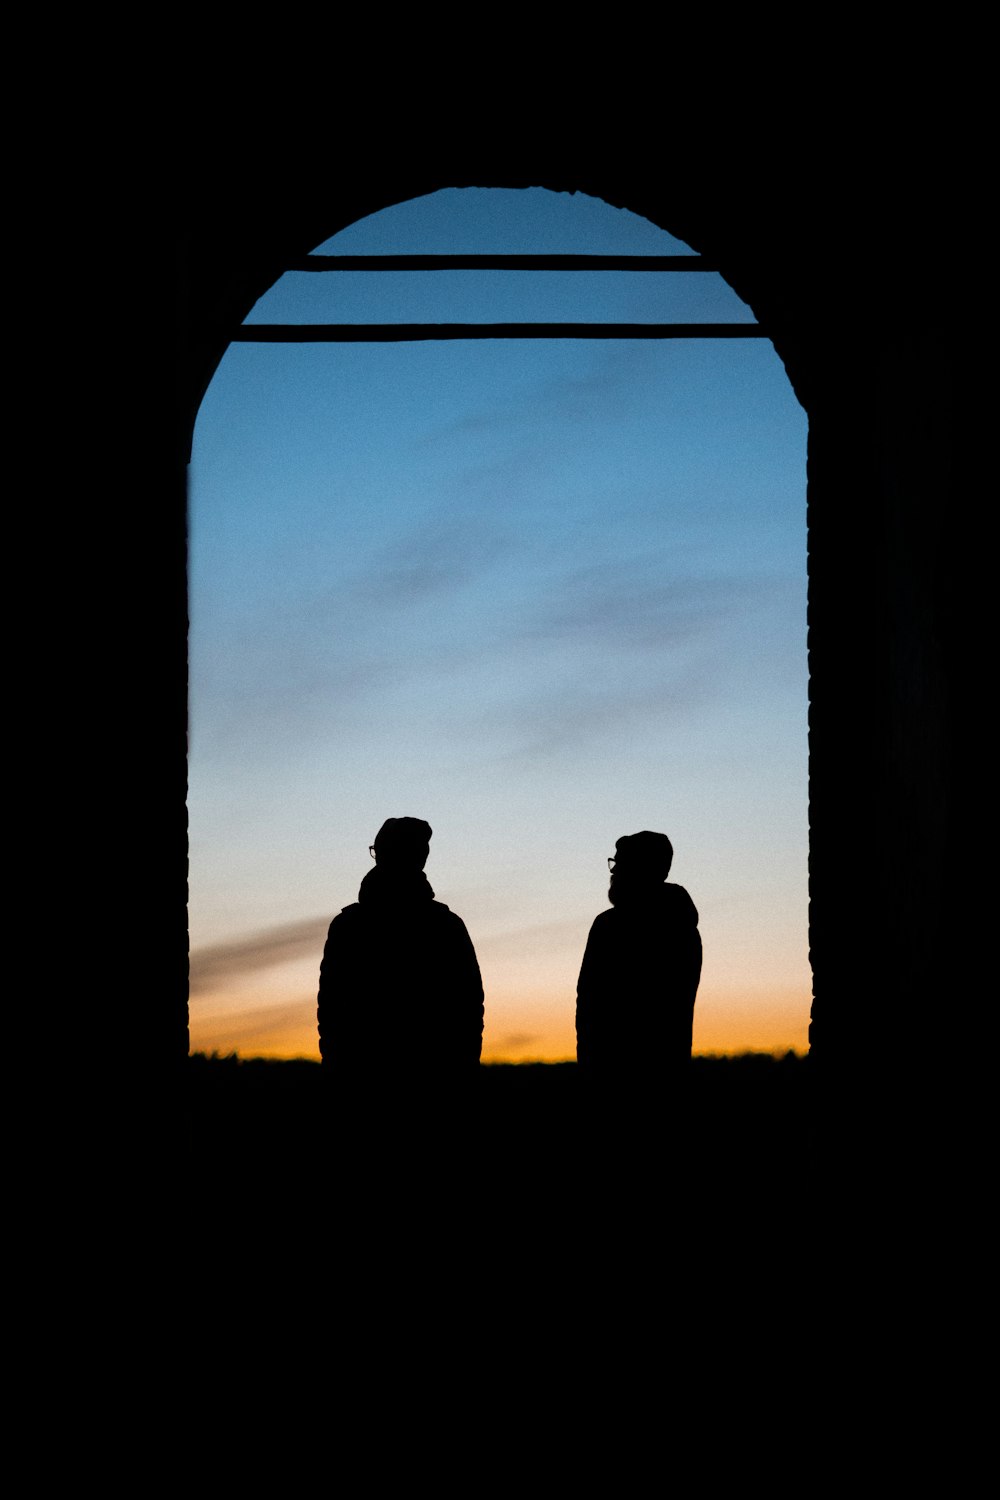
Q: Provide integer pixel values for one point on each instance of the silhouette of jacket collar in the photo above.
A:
(382, 887)
(666, 900)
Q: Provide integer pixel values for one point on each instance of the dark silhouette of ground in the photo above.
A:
(519, 1159)
(517, 1258)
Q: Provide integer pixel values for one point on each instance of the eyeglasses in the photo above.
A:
(371, 850)
(612, 862)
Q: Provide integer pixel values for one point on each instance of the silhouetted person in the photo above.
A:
(640, 973)
(400, 994)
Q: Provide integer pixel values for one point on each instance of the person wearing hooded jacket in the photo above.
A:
(400, 993)
(640, 971)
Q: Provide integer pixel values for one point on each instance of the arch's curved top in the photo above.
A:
(237, 278)
(887, 623)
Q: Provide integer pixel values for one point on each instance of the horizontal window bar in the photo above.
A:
(393, 333)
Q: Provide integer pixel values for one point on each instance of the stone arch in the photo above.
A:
(882, 641)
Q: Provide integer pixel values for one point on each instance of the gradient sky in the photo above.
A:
(539, 593)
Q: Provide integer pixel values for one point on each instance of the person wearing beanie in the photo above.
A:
(640, 971)
(400, 1002)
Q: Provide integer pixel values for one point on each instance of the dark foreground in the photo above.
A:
(527, 1142)
(256, 1112)
(529, 1198)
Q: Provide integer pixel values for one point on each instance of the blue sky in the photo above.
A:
(539, 593)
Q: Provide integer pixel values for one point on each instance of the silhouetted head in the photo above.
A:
(402, 844)
(641, 863)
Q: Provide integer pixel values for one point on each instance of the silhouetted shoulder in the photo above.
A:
(430, 911)
(448, 919)
(678, 904)
(669, 904)
(348, 921)
(350, 912)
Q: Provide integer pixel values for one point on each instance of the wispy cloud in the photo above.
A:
(598, 395)
(577, 715)
(443, 553)
(637, 603)
(289, 1026)
(609, 648)
(264, 949)
(517, 1041)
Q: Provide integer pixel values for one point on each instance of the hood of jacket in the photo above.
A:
(383, 887)
(670, 902)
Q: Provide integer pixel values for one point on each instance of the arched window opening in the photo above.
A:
(538, 593)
